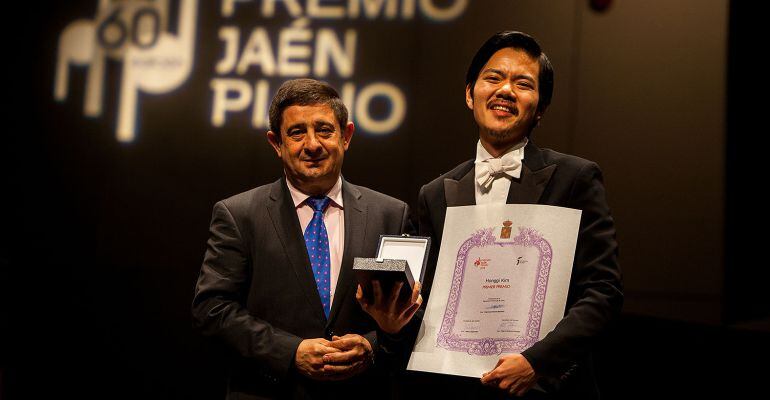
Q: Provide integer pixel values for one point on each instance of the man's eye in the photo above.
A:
(492, 79)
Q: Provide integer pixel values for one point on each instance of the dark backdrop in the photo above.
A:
(104, 239)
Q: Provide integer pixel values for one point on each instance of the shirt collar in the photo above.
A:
(335, 194)
(516, 150)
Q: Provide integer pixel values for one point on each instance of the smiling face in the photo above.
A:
(311, 146)
(504, 99)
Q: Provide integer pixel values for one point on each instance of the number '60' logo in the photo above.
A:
(143, 30)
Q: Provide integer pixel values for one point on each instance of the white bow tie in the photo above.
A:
(496, 168)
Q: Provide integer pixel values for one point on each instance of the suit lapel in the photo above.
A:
(529, 188)
(460, 189)
(355, 228)
(535, 176)
(286, 223)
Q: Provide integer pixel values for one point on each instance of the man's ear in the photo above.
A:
(347, 135)
(469, 96)
(275, 141)
(538, 117)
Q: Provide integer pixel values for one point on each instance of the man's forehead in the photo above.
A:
(319, 108)
(310, 113)
(519, 57)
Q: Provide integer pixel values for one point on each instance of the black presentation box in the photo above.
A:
(399, 259)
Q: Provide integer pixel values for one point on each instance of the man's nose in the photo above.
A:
(312, 144)
(506, 91)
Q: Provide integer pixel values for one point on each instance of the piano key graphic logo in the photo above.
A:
(134, 33)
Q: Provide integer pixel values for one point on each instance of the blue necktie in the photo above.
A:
(317, 242)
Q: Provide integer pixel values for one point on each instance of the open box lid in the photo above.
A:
(413, 249)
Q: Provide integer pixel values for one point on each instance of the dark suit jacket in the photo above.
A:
(256, 291)
(595, 291)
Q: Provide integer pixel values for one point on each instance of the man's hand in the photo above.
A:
(390, 313)
(309, 357)
(353, 356)
(513, 373)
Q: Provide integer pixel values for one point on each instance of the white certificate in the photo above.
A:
(500, 285)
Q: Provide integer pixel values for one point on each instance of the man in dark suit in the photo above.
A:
(276, 284)
(508, 87)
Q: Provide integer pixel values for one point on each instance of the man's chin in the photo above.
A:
(504, 135)
(311, 174)
(317, 174)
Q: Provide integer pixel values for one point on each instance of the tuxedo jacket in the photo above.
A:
(595, 296)
(256, 291)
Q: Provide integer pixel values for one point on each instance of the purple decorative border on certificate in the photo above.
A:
(527, 237)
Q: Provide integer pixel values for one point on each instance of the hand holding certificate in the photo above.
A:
(500, 285)
(512, 373)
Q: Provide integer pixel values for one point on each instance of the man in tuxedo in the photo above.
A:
(276, 285)
(509, 85)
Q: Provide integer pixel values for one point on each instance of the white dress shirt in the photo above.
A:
(334, 219)
(497, 192)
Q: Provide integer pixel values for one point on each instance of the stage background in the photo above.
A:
(107, 226)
